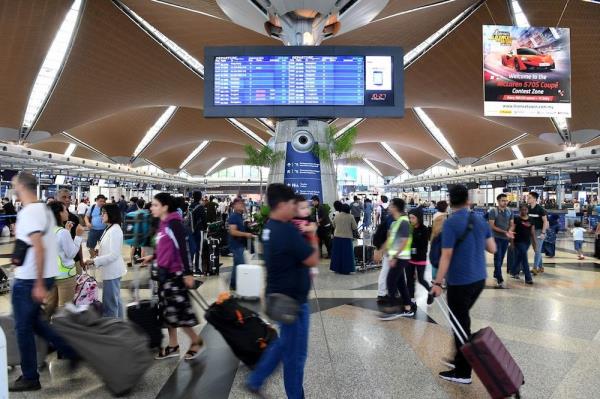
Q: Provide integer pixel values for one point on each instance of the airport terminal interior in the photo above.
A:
(352, 104)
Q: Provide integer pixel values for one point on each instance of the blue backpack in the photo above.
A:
(136, 228)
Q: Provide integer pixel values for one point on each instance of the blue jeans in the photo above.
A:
(291, 348)
(537, 259)
(521, 262)
(111, 298)
(28, 321)
(238, 259)
(93, 238)
(501, 248)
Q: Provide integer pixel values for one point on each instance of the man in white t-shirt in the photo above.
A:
(82, 210)
(33, 279)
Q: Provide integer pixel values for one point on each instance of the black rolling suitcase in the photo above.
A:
(211, 253)
(244, 331)
(145, 314)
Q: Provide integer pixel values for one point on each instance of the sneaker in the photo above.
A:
(581, 257)
(516, 276)
(396, 315)
(392, 309)
(451, 376)
(448, 362)
(22, 385)
(500, 285)
(541, 269)
(382, 299)
(430, 299)
(167, 352)
(534, 272)
(530, 282)
(413, 307)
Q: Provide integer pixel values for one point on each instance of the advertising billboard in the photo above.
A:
(526, 71)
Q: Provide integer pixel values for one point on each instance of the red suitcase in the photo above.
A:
(491, 361)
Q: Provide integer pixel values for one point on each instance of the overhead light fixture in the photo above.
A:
(517, 151)
(373, 167)
(434, 4)
(154, 130)
(52, 65)
(70, 150)
(183, 55)
(520, 19)
(394, 155)
(194, 154)
(349, 126)
(570, 147)
(246, 130)
(435, 131)
(215, 166)
(166, 3)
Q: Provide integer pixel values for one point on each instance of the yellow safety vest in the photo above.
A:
(392, 249)
(64, 272)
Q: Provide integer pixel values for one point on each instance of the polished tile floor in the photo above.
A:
(551, 328)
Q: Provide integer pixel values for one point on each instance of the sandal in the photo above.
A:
(169, 351)
(192, 354)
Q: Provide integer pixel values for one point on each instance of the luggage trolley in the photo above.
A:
(365, 254)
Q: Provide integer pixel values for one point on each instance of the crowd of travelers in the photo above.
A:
(48, 259)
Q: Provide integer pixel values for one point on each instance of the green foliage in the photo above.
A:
(260, 219)
(264, 157)
(336, 148)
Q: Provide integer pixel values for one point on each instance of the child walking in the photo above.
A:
(418, 256)
(577, 232)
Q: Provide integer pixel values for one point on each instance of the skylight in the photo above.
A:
(435, 131)
(51, 65)
(434, 4)
(215, 166)
(70, 150)
(170, 44)
(348, 127)
(517, 151)
(520, 19)
(394, 154)
(245, 130)
(373, 167)
(154, 130)
(415, 52)
(194, 154)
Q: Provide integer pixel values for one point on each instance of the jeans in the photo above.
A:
(501, 248)
(461, 299)
(238, 259)
(382, 281)
(521, 262)
(111, 298)
(396, 281)
(196, 241)
(537, 260)
(324, 236)
(291, 348)
(28, 321)
(411, 269)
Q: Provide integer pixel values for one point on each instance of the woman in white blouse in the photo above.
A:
(109, 260)
(68, 248)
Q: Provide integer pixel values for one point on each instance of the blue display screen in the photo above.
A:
(290, 80)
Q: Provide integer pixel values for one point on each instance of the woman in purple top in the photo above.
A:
(175, 277)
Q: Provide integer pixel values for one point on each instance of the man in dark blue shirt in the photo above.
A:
(237, 237)
(465, 238)
(288, 256)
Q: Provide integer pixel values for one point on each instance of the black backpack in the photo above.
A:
(381, 233)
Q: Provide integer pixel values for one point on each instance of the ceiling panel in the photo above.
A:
(374, 151)
(407, 131)
(396, 6)
(189, 128)
(114, 65)
(204, 6)
(120, 133)
(415, 159)
(27, 29)
(406, 31)
(450, 76)
(194, 31)
(385, 169)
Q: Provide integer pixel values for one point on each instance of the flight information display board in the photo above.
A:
(303, 82)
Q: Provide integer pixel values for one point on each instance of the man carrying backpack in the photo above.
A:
(356, 209)
(382, 210)
(195, 223)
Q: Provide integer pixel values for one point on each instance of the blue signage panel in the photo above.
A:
(303, 172)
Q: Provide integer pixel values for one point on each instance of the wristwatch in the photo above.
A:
(436, 283)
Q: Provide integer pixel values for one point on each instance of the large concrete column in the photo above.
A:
(304, 175)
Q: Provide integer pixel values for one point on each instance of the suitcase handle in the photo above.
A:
(462, 335)
(199, 299)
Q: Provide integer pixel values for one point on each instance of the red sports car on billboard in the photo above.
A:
(526, 59)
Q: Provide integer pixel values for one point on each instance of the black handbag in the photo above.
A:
(19, 253)
(282, 308)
